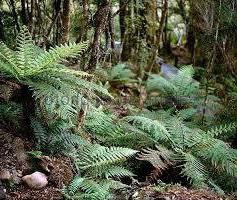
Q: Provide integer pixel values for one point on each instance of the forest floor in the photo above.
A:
(15, 162)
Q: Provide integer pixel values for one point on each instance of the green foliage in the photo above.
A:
(222, 130)
(58, 90)
(199, 154)
(102, 125)
(117, 75)
(11, 112)
(101, 164)
(84, 188)
(182, 92)
(100, 161)
(121, 73)
(55, 136)
(179, 86)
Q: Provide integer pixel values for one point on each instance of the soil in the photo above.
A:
(176, 192)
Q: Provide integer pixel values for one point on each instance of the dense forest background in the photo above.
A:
(118, 99)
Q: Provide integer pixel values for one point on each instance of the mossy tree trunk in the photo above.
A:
(66, 8)
(101, 17)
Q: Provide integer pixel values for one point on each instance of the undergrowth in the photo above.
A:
(178, 127)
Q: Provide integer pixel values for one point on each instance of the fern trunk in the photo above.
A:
(28, 103)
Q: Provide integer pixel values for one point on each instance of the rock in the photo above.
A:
(37, 180)
(5, 175)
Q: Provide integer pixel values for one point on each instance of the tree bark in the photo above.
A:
(162, 22)
(14, 15)
(122, 16)
(159, 34)
(111, 28)
(57, 25)
(32, 18)
(65, 21)
(86, 18)
(2, 34)
(85, 23)
(24, 13)
(101, 17)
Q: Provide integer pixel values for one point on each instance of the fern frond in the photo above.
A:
(193, 169)
(7, 55)
(8, 64)
(161, 158)
(75, 185)
(40, 132)
(120, 73)
(181, 86)
(26, 51)
(156, 130)
(96, 156)
(113, 184)
(186, 114)
(82, 188)
(222, 129)
(101, 124)
(156, 82)
(118, 172)
(221, 157)
(55, 55)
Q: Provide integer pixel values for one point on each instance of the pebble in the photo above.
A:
(37, 180)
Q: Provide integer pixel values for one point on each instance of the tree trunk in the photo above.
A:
(32, 18)
(14, 15)
(111, 28)
(129, 37)
(29, 108)
(101, 17)
(122, 16)
(57, 23)
(85, 23)
(156, 47)
(2, 34)
(86, 18)
(162, 23)
(24, 13)
(152, 18)
(65, 21)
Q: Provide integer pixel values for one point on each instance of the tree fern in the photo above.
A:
(181, 91)
(58, 91)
